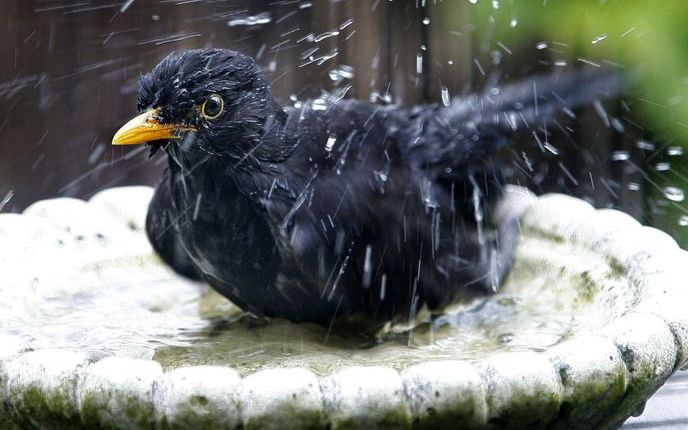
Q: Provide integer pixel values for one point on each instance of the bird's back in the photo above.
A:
(391, 208)
(367, 228)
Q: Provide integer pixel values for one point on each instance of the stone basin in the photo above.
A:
(96, 332)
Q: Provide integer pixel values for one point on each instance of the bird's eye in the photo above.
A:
(212, 107)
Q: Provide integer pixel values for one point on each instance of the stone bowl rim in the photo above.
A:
(491, 384)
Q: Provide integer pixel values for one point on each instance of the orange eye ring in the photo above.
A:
(212, 107)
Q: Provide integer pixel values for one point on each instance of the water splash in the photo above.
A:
(621, 156)
(599, 38)
(250, 20)
(674, 194)
(445, 96)
(340, 73)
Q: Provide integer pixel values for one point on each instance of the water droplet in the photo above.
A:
(645, 145)
(330, 143)
(674, 194)
(473, 1)
(541, 45)
(367, 267)
(381, 176)
(6, 199)
(683, 221)
(376, 97)
(327, 56)
(633, 186)
(419, 63)
(599, 38)
(662, 167)
(620, 155)
(250, 20)
(319, 104)
(125, 6)
(445, 96)
(345, 24)
(496, 57)
(341, 72)
(495, 4)
(513, 23)
(96, 153)
(548, 146)
(325, 35)
(617, 125)
(426, 21)
(675, 150)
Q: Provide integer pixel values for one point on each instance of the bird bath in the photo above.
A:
(96, 331)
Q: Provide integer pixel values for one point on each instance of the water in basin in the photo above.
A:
(131, 305)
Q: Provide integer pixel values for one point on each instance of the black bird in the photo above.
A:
(333, 208)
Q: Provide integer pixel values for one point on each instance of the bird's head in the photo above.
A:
(202, 102)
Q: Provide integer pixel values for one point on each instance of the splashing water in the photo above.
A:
(251, 20)
(674, 194)
(340, 73)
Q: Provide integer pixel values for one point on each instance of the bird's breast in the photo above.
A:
(226, 234)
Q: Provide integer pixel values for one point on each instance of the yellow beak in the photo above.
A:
(146, 128)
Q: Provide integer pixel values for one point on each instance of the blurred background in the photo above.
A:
(70, 68)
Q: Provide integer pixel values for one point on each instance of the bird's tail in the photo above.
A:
(472, 127)
(535, 101)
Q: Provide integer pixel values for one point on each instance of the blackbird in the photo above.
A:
(333, 208)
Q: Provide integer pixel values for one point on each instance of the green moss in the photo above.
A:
(200, 413)
(643, 384)
(587, 288)
(91, 412)
(617, 269)
(94, 411)
(37, 408)
(526, 410)
(588, 405)
(462, 416)
(34, 398)
(390, 419)
(7, 421)
(290, 417)
(548, 235)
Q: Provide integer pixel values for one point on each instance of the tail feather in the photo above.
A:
(471, 128)
(534, 101)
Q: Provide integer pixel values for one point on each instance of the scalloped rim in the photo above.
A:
(576, 382)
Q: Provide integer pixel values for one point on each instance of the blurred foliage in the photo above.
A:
(648, 39)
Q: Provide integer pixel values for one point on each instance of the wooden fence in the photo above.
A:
(70, 68)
